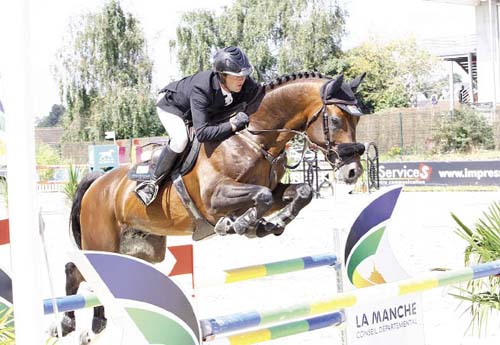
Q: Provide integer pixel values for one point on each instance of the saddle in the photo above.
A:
(141, 171)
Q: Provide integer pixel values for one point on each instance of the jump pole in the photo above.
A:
(239, 321)
(74, 302)
(23, 200)
(70, 303)
(268, 269)
(285, 330)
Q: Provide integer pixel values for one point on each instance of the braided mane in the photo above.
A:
(291, 77)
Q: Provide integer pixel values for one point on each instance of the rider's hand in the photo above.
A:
(239, 121)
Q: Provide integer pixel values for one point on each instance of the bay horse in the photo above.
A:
(234, 183)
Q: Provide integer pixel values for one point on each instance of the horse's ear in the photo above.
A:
(330, 89)
(337, 84)
(356, 81)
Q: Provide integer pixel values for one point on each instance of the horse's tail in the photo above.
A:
(74, 218)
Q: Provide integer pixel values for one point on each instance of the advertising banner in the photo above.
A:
(369, 260)
(455, 173)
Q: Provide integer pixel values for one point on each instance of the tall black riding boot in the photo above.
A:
(146, 191)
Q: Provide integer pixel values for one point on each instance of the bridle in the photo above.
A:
(342, 153)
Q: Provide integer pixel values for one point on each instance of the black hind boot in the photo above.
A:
(146, 191)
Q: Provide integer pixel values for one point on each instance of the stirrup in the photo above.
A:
(145, 197)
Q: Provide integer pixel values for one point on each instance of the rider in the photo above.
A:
(201, 99)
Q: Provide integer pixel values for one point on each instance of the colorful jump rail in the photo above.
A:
(285, 330)
(70, 303)
(269, 269)
(322, 310)
(240, 321)
(75, 302)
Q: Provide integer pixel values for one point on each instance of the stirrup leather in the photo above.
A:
(141, 190)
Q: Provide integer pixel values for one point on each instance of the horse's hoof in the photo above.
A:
(98, 324)
(278, 231)
(68, 325)
(85, 338)
(53, 331)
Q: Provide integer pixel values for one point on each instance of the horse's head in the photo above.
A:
(333, 127)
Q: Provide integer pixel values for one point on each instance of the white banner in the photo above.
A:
(370, 260)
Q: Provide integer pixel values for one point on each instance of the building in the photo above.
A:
(479, 55)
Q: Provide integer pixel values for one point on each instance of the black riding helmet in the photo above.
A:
(231, 60)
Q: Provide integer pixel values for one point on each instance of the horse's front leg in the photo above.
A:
(245, 204)
(289, 199)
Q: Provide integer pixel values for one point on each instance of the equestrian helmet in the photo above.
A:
(231, 60)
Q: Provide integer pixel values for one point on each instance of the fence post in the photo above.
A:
(401, 142)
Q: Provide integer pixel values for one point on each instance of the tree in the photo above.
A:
(395, 71)
(54, 117)
(279, 36)
(104, 75)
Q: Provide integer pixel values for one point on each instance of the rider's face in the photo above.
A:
(234, 83)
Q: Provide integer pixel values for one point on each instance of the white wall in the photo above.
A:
(487, 24)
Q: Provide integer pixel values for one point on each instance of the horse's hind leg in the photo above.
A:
(73, 280)
(142, 245)
(99, 321)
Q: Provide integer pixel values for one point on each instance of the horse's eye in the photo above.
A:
(335, 122)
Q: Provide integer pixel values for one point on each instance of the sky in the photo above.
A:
(49, 20)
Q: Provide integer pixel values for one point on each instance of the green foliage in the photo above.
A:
(71, 186)
(279, 36)
(394, 152)
(483, 246)
(54, 117)
(395, 71)
(7, 334)
(4, 191)
(47, 155)
(464, 131)
(105, 78)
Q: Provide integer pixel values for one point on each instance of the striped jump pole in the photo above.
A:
(280, 331)
(70, 303)
(269, 269)
(239, 321)
(74, 302)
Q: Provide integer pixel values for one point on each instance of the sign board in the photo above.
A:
(103, 157)
(369, 260)
(110, 135)
(455, 173)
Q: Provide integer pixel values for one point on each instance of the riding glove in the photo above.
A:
(239, 121)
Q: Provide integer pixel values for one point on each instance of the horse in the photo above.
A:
(235, 184)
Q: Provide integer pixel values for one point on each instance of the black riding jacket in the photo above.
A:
(198, 99)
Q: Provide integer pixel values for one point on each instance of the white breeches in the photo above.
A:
(176, 129)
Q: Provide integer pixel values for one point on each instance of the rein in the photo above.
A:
(343, 152)
(307, 141)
